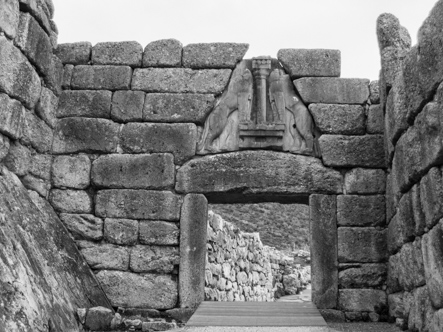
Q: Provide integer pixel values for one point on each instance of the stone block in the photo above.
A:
(101, 78)
(158, 259)
(158, 326)
(106, 256)
(397, 306)
(85, 103)
(74, 53)
(437, 322)
(38, 185)
(9, 17)
(68, 70)
(18, 158)
(371, 300)
(128, 53)
(418, 214)
(177, 107)
(395, 113)
(178, 139)
(353, 210)
(39, 11)
(375, 120)
(374, 92)
(121, 231)
(391, 33)
(163, 53)
(250, 173)
(333, 90)
(54, 78)
(193, 235)
(71, 171)
(421, 311)
(392, 63)
(431, 196)
(181, 80)
(353, 151)
(213, 55)
(138, 204)
(40, 165)
(4, 147)
(365, 181)
(127, 106)
(36, 132)
(159, 232)
(71, 201)
(144, 171)
(339, 119)
(85, 135)
(362, 245)
(83, 226)
(46, 107)
(362, 276)
(125, 289)
(324, 250)
(17, 76)
(12, 115)
(99, 319)
(310, 62)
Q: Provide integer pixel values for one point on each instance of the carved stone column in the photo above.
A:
(261, 68)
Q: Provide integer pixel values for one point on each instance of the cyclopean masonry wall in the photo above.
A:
(411, 92)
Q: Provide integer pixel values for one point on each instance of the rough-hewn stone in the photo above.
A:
(83, 226)
(127, 53)
(138, 204)
(127, 105)
(4, 147)
(39, 11)
(121, 231)
(54, 78)
(101, 77)
(71, 171)
(36, 132)
(372, 300)
(99, 319)
(324, 250)
(431, 196)
(163, 53)
(310, 62)
(354, 210)
(71, 201)
(85, 135)
(40, 165)
(213, 55)
(374, 92)
(12, 115)
(159, 232)
(391, 33)
(363, 245)
(339, 119)
(85, 103)
(178, 139)
(436, 324)
(180, 80)
(38, 185)
(365, 181)
(421, 311)
(18, 158)
(395, 119)
(74, 53)
(46, 107)
(105, 256)
(401, 228)
(362, 276)
(419, 216)
(68, 70)
(333, 90)
(9, 17)
(158, 259)
(392, 63)
(177, 107)
(375, 120)
(125, 289)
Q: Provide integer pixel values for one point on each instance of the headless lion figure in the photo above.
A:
(237, 97)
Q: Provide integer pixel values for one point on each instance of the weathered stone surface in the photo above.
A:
(421, 311)
(213, 55)
(127, 289)
(419, 216)
(163, 53)
(365, 181)
(101, 77)
(363, 245)
(436, 324)
(333, 90)
(74, 53)
(18, 159)
(193, 229)
(85, 135)
(324, 250)
(46, 107)
(68, 70)
(99, 319)
(144, 171)
(127, 53)
(85, 103)
(9, 17)
(363, 276)
(40, 165)
(4, 147)
(12, 115)
(392, 63)
(105, 256)
(127, 106)
(39, 11)
(396, 304)
(178, 139)
(71, 201)
(54, 78)
(339, 119)
(372, 300)
(257, 172)
(391, 33)
(36, 132)
(310, 62)
(395, 113)
(121, 231)
(71, 171)
(17, 76)
(401, 227)
(177, 107)
(353, 151)
(431, 196)
(138, 204)
(159, 232)
(353, 210)
(374, 92)
(83, 226)
(54, 279)
(158, 259)
(38, 185)
(375, 120)
(181, 80)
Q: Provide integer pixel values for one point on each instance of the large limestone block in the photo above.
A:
(157, 259)
(181, 80)
(333, 90)
(365, 181)
(125, 289)
(163, 53)
(375, 120)
(36, 132)
(18, 159)
(370, 300)
(354, 210)
(401, 227)
(71, 171)
(257, 173)
(9, 17)
(339, 119)
(431, 196)
(12, 115)
(177, 107)
(105, 256)
(40, 166)
(74, 53)
(310, 62)
(85, 135)
(127, 106)
(324, 250)
(101, 77)
(46, 107)
(178, 139)
(121, 231)
(362, 276)
(374, 92)
(144, 171)
(128, 53)
(83, 226)
(353, 151)
(40, 11)
(4, 147)
(159, 232)
(420, 310)
(138, 204)
(362, 245)
(213, 55)
(71, 201)
(390, 33)
(84, 103)
(17, 76)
